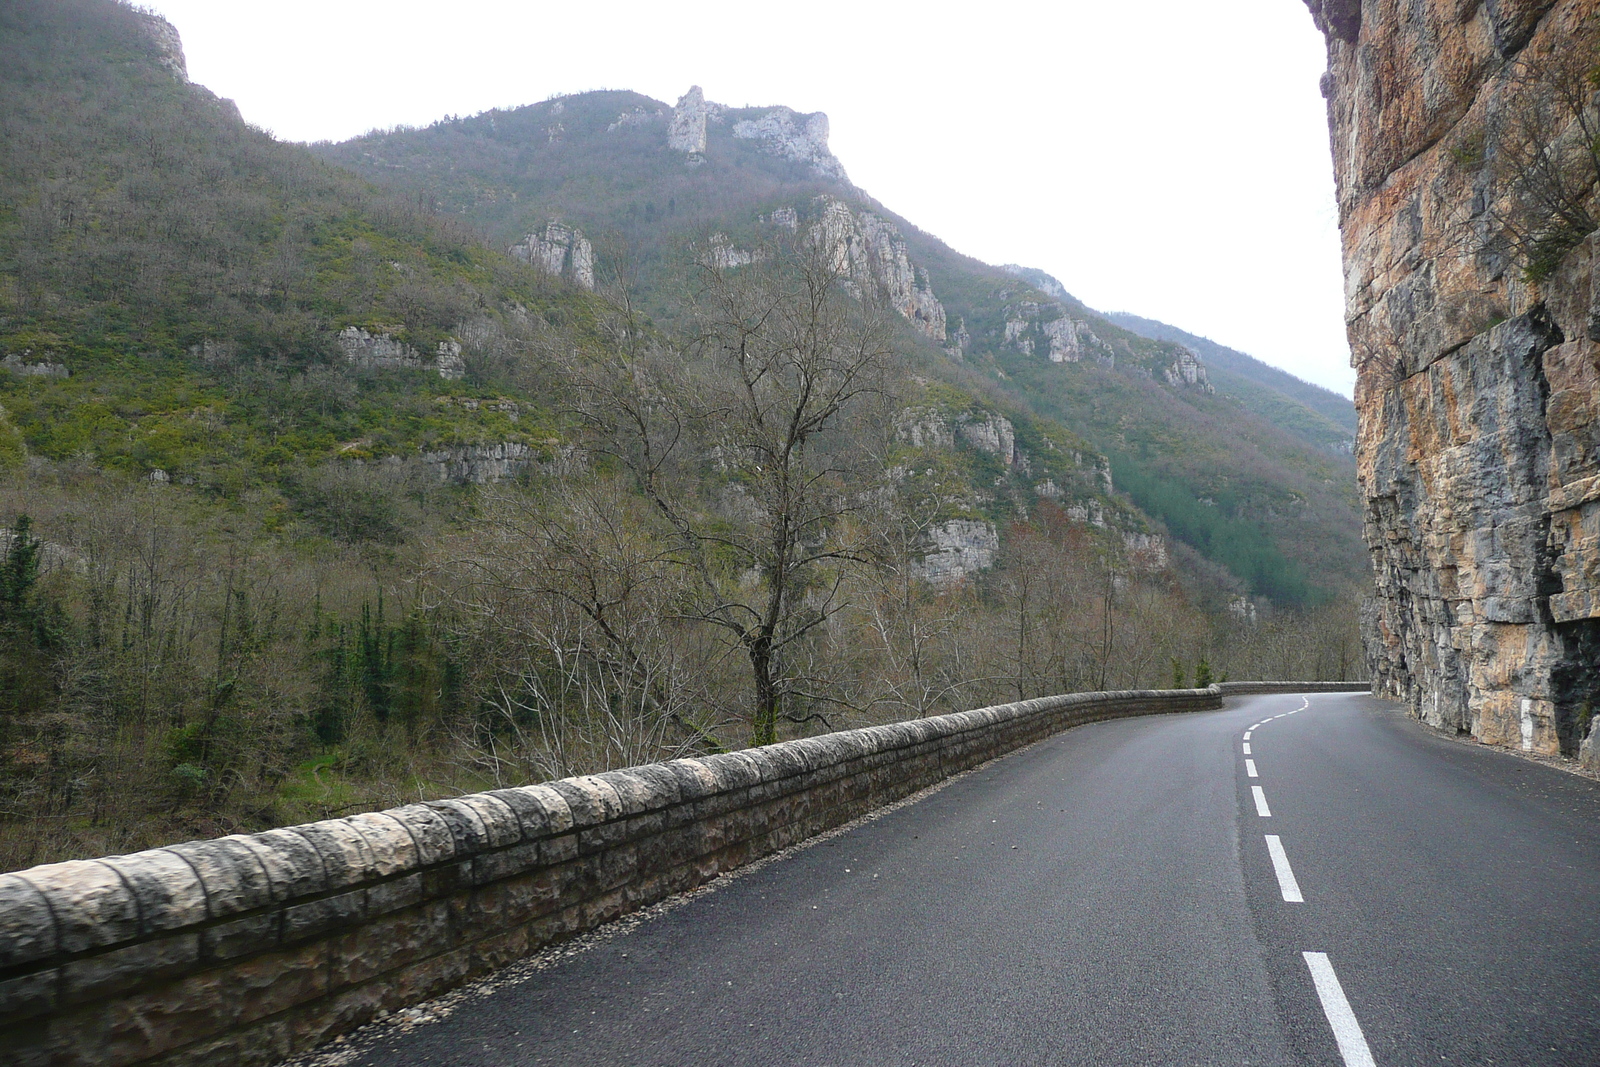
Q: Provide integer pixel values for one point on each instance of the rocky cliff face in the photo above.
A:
(168, 44)
(779, 131)
(561, 250)
(791, 135)
(871, 253)
(686, 130)
(381, 351)
(1473, 324)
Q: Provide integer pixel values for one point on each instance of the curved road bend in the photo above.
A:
(1109, 897)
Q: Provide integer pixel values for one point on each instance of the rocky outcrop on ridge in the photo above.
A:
(791, 135)
(380, 350)
(1049, 326)
(779, 131)
(871, 253)
(1479, 370)
(1188, 370)
(686, 130)
(958, 549)
(561, 250)
(168, 44)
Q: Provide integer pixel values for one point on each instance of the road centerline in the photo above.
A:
(1261, 802)
(1346, 1030)
(1250, 768)
(1280, 867)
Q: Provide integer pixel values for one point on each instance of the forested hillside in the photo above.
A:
(319, 494)
(1248, 475)
(1275, 395)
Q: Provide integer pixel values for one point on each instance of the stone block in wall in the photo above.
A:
(500, 948)
(590, 806)
(347, 859)
(446, 879)
(428, 978)
(554, 850)
(323, 915)
(293, 866)
(541, 810)
(506, 863)
(466, 827)
(241, 937)
(501, 827)
(390, 942)
(695, 780)
(231, 874)
(109, 974)
(734, 771)
(27, 995)
(27, 928)
(397, 893)
(634, 794)
(602, 837)
(92, 906)
(435, 839)
(518, 900)
(389, 843)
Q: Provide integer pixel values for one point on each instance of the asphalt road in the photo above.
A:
(1109, 897)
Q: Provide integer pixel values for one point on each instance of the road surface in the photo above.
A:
(1122, 894)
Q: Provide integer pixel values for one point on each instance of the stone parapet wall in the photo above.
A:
(1240, 689)
(250, 948)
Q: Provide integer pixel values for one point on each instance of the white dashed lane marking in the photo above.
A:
(1346, 1031)
(1280, 866)
(1347, 1034)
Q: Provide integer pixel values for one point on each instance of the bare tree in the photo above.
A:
(741, 442)
(1546, 158)
(578, 667)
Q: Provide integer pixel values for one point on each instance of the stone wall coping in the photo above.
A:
(83, 906)
(397, 905)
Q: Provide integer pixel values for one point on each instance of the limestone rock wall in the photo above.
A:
(1478, 377)
(561, 250)
(871, 253)
(168, 44)
(686, 130)
(958, 549)
(791, 135)
(381, 351)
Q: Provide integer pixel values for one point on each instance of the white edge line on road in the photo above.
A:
(1250, 768)
(1247, 748)
(1261, 802)
(1281, 868)
(1346, 1031)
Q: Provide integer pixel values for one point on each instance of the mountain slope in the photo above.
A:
(222, 309)
(1274, 394)
(615, 183)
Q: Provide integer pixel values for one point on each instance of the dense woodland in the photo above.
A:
(235, 593)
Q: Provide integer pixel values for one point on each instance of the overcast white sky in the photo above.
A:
(1165, 157)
